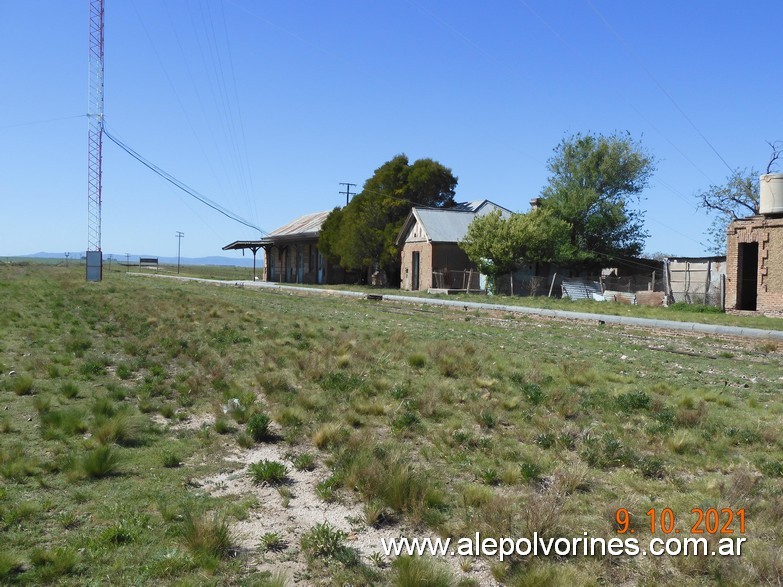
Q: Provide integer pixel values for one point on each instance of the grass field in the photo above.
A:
(147, 424)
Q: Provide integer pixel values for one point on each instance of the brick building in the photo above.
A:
(430, 252)
(291, 253)
(754, 259)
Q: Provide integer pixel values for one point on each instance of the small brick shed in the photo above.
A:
(754, 265)
(754, 254)
(429, 242)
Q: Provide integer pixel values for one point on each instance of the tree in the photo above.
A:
(497, 245)
(737, 198)
(594, 182)
(361, 235)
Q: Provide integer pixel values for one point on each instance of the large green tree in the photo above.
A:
(594, 185)
(737, 198)
(498, 244)
(361, 235)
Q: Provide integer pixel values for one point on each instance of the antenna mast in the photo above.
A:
(95, 142)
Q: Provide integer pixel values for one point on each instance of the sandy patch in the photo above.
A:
(304, 510)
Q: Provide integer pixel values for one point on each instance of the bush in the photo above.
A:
(418, 571)
(100, 462)
(304, 462)
(207, 536)
(258, 426)
(22, 385)
(270, 472)
(323, 541)
(634, 400)
(417, 360)
(69, 390)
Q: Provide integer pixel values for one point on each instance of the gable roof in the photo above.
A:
(309, 224)
(446, 225)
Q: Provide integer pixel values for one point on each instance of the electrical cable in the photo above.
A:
(630, 51)
(17, 125)
(177, 183)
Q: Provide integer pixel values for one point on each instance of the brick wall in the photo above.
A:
(768, 233)
(425, 265)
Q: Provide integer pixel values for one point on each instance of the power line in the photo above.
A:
(633, 54)
(179, 184)
(48, 120)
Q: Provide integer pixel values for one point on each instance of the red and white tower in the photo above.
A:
(95, 142)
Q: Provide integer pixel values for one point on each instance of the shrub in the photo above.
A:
(272, 542)
(269, 472)
(100, 462)
(651, 467)
(69, 390)
(124, 428)
(244, 440)
(340, 381)
(65, 422)
(531, 472)
(222, 426)
(52, 564)
(304, 462)
(323, 541)
(634, 400)
(22, 385)
(326, 488)
(258, 426)
(413, 571)
(124, 372)
(405, 421)
(207, 536)
(171, 460)
(417, 360)
(94, 366)
(329, 435)
(533, 393)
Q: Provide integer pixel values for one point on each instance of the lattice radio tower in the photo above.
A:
(95, 142)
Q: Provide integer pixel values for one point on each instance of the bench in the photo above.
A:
(148, 262)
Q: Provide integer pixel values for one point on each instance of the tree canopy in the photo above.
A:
(361, 235)
(594, 182)
(497, 244)
(737, 198)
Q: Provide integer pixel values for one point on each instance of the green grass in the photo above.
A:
(258, 426)
(446, 425)
(269, 472)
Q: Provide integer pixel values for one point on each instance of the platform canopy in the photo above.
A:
(241, 245)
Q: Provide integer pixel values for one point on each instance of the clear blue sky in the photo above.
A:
(265, 106)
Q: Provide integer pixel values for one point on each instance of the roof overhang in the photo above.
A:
(241, 245)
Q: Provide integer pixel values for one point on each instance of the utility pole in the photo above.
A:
(347, 191)
(66, 258)
(179, 236)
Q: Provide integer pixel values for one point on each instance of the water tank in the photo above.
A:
(771, 193)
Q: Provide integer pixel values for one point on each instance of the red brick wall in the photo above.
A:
(768, 233)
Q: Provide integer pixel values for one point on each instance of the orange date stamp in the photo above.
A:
(700, 521)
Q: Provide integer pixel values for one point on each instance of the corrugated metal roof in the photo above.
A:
(450, 225)
(307, 225)
(444, 225)
(580, 289)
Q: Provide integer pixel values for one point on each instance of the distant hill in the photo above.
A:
(246, 261)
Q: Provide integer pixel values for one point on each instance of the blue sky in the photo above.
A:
(265, 106)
